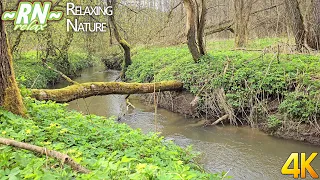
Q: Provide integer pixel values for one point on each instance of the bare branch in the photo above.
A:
(59, 72)
(268, 8)
(64, 158)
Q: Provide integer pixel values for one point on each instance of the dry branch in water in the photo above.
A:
(220, 119)
(84, 90)
(65, 159)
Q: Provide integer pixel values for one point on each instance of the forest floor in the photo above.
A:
(267, 85)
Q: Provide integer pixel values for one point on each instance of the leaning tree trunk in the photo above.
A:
(296, 22)
(191, 29)
(313, 25)
(10, 97)
(201, 27)
(124, 44)
(242, 16)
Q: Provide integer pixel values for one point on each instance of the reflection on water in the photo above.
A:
(246, 153)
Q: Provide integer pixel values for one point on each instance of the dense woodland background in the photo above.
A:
(163, 22)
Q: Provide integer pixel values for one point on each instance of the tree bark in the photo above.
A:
(191, 29)
(10, 97)
(89, 89)
(124, 44)
(242, 15)
(313, 25)
(201, 27)
(296, 22)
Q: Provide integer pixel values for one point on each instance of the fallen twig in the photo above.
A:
(65, 159)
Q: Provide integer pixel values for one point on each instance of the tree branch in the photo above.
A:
(225, 25)
(59, 72)
(268, 8)
(175, 7)
(44, 151)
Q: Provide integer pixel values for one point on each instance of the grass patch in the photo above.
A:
(110, 150)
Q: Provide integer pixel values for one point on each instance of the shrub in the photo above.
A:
(274, 122)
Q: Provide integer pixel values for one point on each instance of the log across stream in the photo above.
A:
(246, 153)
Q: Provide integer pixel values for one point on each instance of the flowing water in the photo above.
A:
(243, 152)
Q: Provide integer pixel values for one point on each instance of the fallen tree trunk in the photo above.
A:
(84, 90)
(65, 159)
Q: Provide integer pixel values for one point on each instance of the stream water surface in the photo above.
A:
(243, 152)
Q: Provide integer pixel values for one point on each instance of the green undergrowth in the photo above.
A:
(108, 149)
(256, 44)
(31, 73)
(252, 82)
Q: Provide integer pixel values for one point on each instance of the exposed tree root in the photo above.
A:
(77, 91)
(65, 159)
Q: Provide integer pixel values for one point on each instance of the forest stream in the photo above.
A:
(243, 152)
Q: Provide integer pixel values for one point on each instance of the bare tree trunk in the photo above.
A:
(191, 29)
(242, 15)
(313, 25)
(124, 44)
(201, 27)
(10, 97)
(296, 22)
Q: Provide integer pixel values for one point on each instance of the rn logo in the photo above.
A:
(32, 16)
